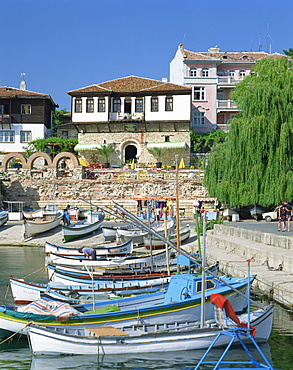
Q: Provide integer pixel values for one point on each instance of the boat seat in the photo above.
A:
(108, 331)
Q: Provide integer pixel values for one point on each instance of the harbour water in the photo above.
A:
(21, 262)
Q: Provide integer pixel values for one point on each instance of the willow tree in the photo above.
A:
(255, 164)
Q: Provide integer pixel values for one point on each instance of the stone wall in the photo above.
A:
(38, 191)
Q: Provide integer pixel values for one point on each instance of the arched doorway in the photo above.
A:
(130, 152)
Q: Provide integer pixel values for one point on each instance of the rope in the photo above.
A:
(11, 336)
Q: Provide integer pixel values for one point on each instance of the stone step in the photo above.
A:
(277, 240)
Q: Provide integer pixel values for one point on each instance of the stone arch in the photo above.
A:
(44, 155)
(7, 158)
(129, 142)
(69, 155)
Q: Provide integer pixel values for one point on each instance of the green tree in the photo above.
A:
(289, 52)
(57, 120)
(157, 152)
(55, 145)
(254, 165)
(106, 150)
(207, 140)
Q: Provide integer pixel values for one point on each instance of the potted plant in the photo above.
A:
(158, 154)
(106, 150)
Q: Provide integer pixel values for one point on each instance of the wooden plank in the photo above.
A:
(109, 331)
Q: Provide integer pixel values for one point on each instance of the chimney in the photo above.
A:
(22, 82)
(214, 49)
(164, 79)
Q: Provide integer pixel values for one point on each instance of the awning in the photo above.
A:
(87, 146)
(167, 145)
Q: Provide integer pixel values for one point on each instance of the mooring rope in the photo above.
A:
(11, 336)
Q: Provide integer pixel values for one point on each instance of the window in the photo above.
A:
(154, 104)
(139, 105)
(1, 109)
(231, 73)
(117, 105)
(192, 72)
(169, 103)
(220, 72)
(167, 139)
(64, 134)
(7, 136)
(205, 72)
(242, 73)
(90, 105)
(26, 109)
(25, 136)
(199, 93)
(198, 118)
(101, 105)
(78, 106)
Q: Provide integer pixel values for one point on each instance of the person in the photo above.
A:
(77, 212)
(288, 214)
(281, 217)
(66, 217)
(89, 252)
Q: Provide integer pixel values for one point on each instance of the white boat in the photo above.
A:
(24, 292)
(137, 235)
(3, 217)
(166, 337)
(113, 250)
(30, 215)
(158, 258)
(109, 232)
(180, 302)
(184, 234)
(38, 226)
(82, 228)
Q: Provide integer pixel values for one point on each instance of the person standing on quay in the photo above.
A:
(281, 216)
(288, 213)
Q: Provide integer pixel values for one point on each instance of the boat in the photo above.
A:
(3, 217)
(90, 224)
(165, 337)
(49, 209)
(38, 226)
(109, 232)
(26, 292)
(256, 212)
(139, 261)
(137, 235)
(113, 250)
(184, 234)
(180, 302)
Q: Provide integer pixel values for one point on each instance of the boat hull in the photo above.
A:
(187, 336)
(32, 227)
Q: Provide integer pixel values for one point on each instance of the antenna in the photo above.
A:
(269, 49)
(22, 75)
(184, 39)
(259, 44)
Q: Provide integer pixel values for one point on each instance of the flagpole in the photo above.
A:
(177, 205)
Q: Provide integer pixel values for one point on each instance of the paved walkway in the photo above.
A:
(267, 227)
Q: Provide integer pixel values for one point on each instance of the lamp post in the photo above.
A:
(177, 204)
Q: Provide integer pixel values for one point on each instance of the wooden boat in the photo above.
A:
(109, 232)
(256, 212)
(184, 234)
(181, 302)
(82, 228)
(158, 258)
(113, 250)
(26, 292)
(165, 337)
(137, 235)
(49, 209)
(38, 226)
(3, 217)
(68, 275)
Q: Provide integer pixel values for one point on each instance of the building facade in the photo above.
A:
(24, 116)
(135, 114)
(212, 76)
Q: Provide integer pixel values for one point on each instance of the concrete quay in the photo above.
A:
(232, 246)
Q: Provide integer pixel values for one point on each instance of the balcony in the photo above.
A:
(228, 81)
(226, 105)
(5, 118)
(118, 116)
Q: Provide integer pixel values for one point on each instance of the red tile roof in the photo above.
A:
(11, 92)
(131, 84)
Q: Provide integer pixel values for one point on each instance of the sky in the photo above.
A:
(63, 45)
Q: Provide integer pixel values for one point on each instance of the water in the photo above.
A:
(21, 262)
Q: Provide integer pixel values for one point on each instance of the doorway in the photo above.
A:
(130, 152)
(127, 106)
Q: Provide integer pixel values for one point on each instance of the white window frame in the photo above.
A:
(193, 72)
(231, 73)
(25, 111)
(7, 136)
(154, 104)
(169, 103)
(90, 105)
(198, 118)
(205, 72)
(117, 105)
(242, 73)
(199, 93)
(78, 105)
(101, 105)
(25, 136)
